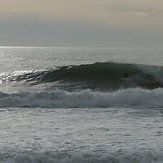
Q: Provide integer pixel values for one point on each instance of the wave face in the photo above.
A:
(128, 98)
(98, 76)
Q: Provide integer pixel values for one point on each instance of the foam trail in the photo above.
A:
(85, 99)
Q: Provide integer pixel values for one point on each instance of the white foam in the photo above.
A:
(85, 99)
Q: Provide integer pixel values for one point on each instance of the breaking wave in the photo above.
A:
(134, 98)
(98, 76)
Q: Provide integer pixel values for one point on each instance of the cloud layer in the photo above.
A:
(135, 13)
(48, 16)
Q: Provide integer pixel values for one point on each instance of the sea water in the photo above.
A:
(75, 105)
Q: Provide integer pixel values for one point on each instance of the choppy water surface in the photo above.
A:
(86, 135)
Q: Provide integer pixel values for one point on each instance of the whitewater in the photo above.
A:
(70, 105)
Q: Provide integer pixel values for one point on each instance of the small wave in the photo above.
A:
(130, 98)
(98, 76)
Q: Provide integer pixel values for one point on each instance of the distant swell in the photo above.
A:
(98, 76)
(134, 98)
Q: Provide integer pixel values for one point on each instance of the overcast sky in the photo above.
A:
(87, 23)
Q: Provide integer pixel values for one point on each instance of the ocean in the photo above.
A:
(81, 105)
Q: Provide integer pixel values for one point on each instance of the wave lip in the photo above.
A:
(128, 98)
